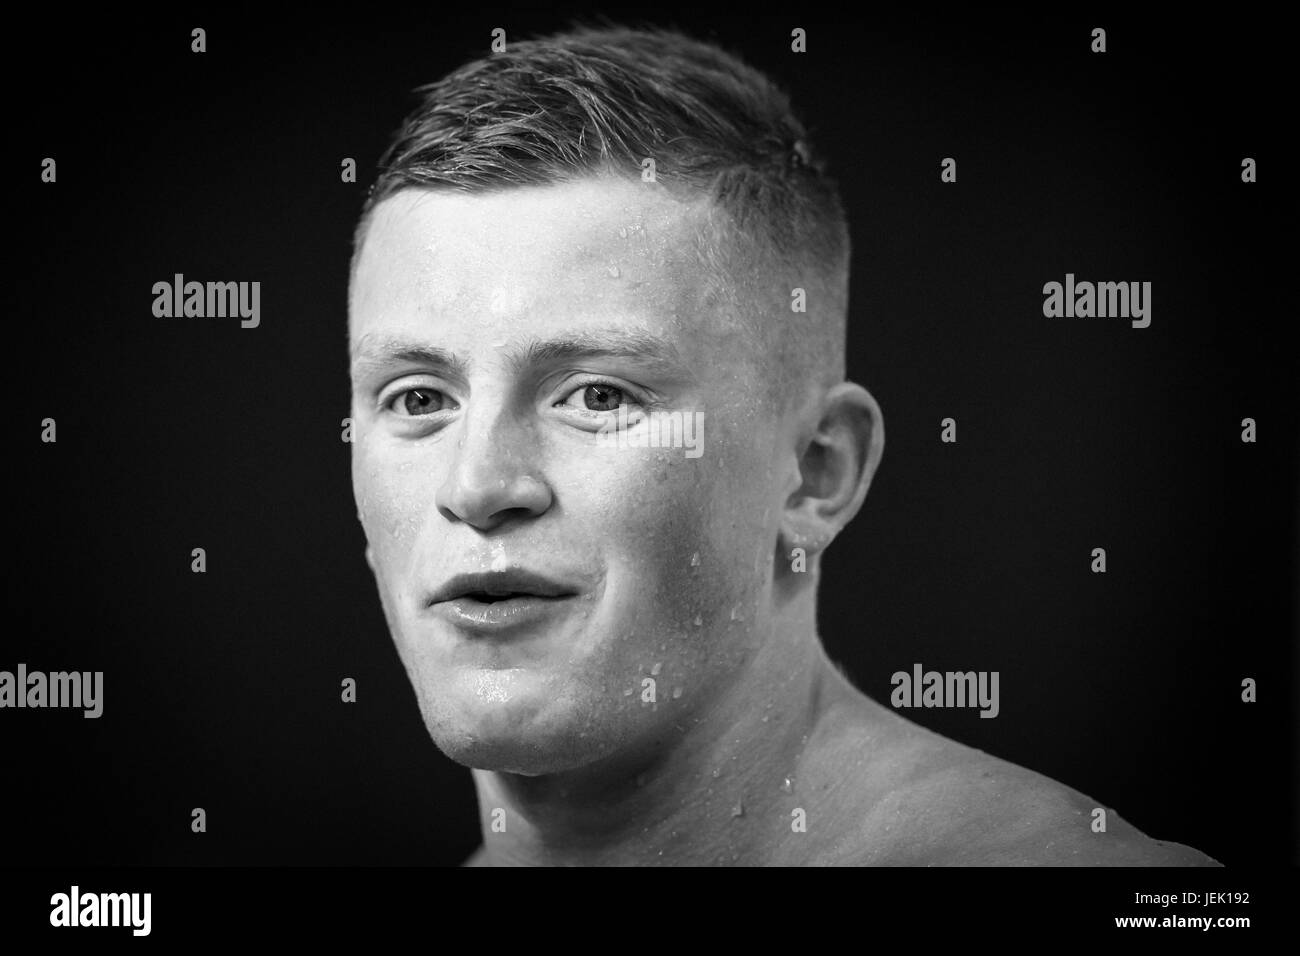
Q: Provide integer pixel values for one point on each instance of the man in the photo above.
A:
(603, 436)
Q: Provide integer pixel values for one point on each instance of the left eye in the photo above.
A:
(598, 397)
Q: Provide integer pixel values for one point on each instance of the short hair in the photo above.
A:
(592, 100)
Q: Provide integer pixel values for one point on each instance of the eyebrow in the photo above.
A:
(657, 354)
(372, 355)
(649, 349)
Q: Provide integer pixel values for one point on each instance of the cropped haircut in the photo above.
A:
(595, 100)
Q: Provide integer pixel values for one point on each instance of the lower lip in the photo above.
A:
(499, 616)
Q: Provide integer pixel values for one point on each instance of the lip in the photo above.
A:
(496, 601)
(519, 611)
(509, 582)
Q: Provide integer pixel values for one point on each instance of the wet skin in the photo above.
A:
(534, 580)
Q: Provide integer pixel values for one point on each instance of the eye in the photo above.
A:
(601, 397)
(417, 402)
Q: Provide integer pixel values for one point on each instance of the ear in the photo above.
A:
(836, 466)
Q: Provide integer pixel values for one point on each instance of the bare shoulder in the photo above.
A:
(935, 802)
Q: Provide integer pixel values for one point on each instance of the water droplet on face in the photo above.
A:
(765, 718)
(698, 621)
(717, 771)
(613, 272)
(628, 692)
(736, 615)
(622, 232)
(786, 785)
(695, 560)
(655, 670)
(677, 692)
(738, 811)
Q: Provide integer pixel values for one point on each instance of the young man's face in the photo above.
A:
(492, 336)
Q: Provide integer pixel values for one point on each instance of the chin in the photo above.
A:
(530, 754)
(529, 733)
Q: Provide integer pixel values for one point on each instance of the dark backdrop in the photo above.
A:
(222, 689)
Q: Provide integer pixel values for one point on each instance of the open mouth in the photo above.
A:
(498, 600)
(496, 597)
(492, 587)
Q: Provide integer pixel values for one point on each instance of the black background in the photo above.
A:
(222, 689)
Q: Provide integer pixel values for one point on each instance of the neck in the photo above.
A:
(721, 792)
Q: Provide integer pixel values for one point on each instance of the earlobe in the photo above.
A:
(836, 466)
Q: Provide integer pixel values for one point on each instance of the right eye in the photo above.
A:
(417, 402)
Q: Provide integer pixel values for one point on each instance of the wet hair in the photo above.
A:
(593, 100)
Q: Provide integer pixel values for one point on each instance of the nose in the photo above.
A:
(493, 479)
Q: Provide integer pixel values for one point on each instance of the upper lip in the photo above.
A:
(506, 583)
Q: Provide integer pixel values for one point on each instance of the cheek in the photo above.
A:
(394, 488)
(684, 550)
(681, 541)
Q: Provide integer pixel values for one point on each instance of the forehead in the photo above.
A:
(589, 251)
